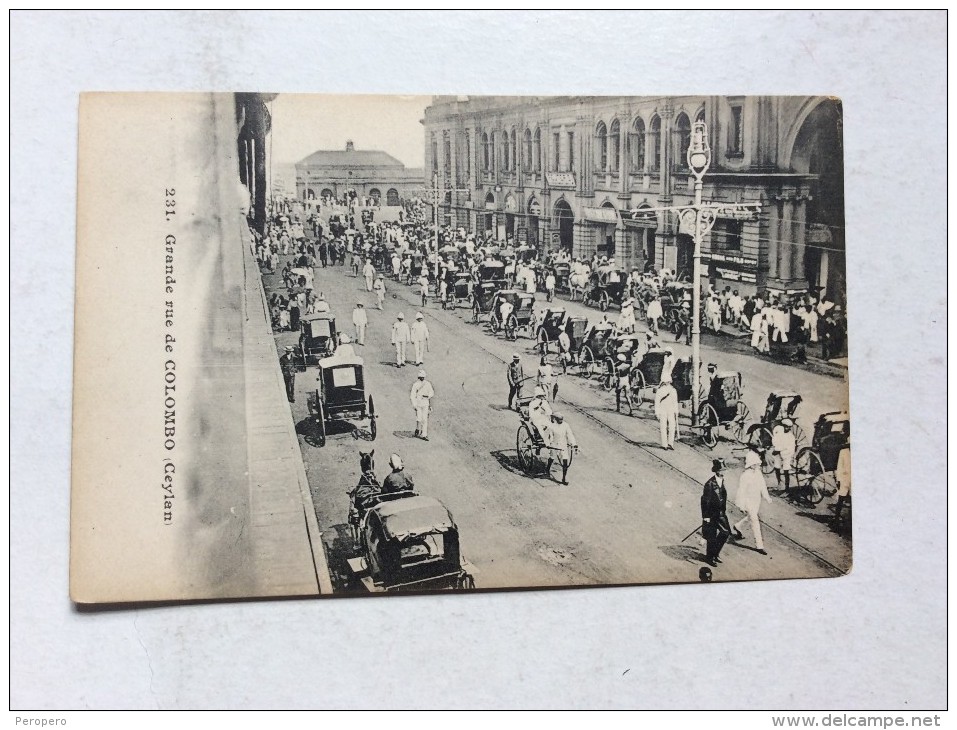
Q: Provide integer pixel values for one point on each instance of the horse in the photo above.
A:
(365, 494)
(578, 284)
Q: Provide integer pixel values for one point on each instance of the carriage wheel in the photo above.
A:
(320, 422)
(814, 481)
(673, 325)
(626, 402)
(799, 435)
(708, 423)
(525, 448)
(637, 386)
(475, 311)
(586, 363)
(542, 337)
(603, 301)
(511, 324)
(608, 376)
(759, 439)
(738, 426)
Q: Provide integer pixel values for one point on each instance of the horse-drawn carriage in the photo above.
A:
(522, 315)
(458, 288)
(318, 337)
(595, 348)
(816, 465)
(551, 326)
(606, 287)
(409, 542)
(563, 272)
(723, 408)
(489, 279)
(340, 395)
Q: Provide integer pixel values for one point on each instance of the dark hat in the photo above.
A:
(717, 465)
(704, 575)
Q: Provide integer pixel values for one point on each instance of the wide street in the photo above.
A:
(622, 517)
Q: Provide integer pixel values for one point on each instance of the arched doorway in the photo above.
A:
(819, 153)
(375, 194)
(486, 221)
(565, 223)
(326, 193)
(511, 208)
(534, 211)
(392, 196)
(605, 243)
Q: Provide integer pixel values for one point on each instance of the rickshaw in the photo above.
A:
(575, 328)
(533, 455)
(723, 408)
(409, 542)
(318, 337)
(563, 272)
(606, 287)
(673, 295)
(551, 326)
(781, 404)
(594, 349)
(489, 279)
(458, 288)
(815, 465)
(341, 394)
(618, 344)
(521, 317)
(645, 377)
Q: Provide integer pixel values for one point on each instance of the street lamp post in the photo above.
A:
(699, 160)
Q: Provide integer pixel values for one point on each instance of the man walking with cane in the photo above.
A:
(714, 518)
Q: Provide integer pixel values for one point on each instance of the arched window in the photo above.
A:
(326, 193)
(527, 155)
(375, 194)
(637, 140)
(485, 165)
(468, 157)
(513, 165)
(492, 162)
(392, 197)
(601, 138)
(614, 141)
(654, 143)
(505, 156)
(683, 139)
(699, 117)
(435, 155)
(537, 151)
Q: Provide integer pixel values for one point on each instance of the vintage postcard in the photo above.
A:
(375, 344)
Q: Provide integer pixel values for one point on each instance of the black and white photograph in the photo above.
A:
(455, 360)
(469, 342)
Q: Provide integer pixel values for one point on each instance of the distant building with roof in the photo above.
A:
(370, 173)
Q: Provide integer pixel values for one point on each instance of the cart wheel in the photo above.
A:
(708, 423)
(494, 323)
(799, 435)
(738, 426)
(604, 301)
(321, 423)
(511, 324)
(525, 448)
(627, 402)
(608, 376)
(814, 482)
(586, 363)
(637, 387)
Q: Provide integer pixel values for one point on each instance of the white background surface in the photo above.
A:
(874, 639)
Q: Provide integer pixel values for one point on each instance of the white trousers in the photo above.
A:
(361, 334)
(755, 528)
(422, 420)
(668, 425)
(419, 352)
(400, 353)
(368, 283)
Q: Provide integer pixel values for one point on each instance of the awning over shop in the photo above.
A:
(601, 215)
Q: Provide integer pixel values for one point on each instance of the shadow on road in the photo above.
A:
(500, 407)
(404, 434)
(308, 429)
(683, 553)
(508, 460)
(339, 548)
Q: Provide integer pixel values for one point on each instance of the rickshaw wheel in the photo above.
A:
(525, 448)
(637, 386)
(604, 301)
(759, 439)
(811, 477)
(708, 423)
(608, 376)
(321, 423)
(738, 426)
(475, 311)
(586, 362)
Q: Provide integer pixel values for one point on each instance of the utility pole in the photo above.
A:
(437, 194)
(699, 219)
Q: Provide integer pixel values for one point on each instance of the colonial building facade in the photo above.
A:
(575, 172)
(369, 173)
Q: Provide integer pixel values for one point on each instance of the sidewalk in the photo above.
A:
(287, 557)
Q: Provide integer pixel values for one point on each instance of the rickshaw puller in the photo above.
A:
(563, 442)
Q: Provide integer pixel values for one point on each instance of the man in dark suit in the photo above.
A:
(287, 364)
(714, 519)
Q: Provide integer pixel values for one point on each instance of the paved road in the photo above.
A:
(628, 505)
